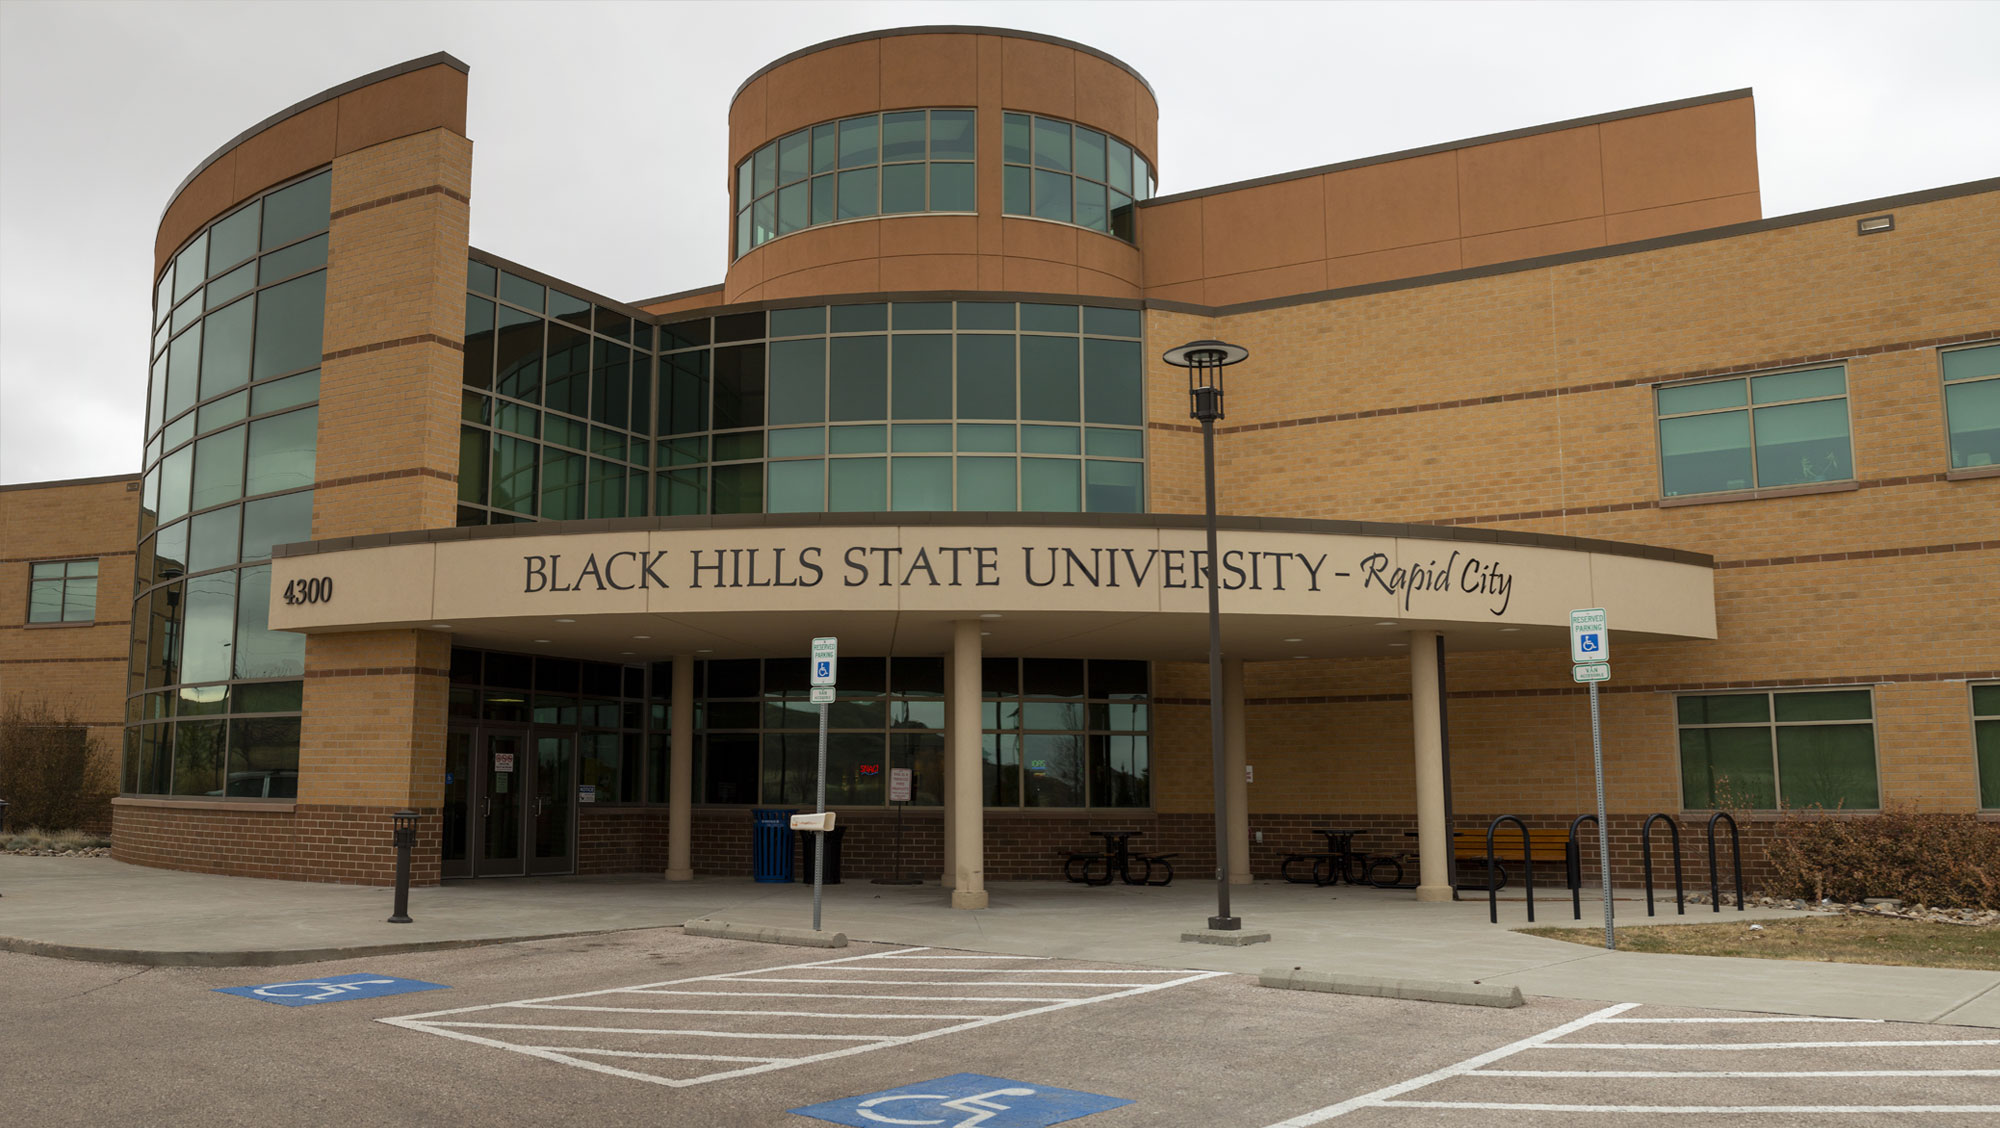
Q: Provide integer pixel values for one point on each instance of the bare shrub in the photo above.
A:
(1925, 858)
(51, 771)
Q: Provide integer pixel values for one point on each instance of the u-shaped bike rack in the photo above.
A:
(1527, 869)
(1646, 853)
(1736, 856)
(1574, 857)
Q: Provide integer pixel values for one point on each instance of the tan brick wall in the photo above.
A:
(395, 321)
(75, 667)
(375, 719)
(1363, 409)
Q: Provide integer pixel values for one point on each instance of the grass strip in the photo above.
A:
(1858, 939)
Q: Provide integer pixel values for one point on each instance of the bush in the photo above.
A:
(51, 772)
(1940, 860)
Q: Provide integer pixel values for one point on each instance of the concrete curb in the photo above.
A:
(1423, 990)
(269, 957)
(1225, 938)
(765, 934)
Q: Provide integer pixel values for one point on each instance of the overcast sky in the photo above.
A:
(599, 129)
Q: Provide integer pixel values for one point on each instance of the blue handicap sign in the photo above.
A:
(1587, 642)
(822, 669)
(332, 989)
(963, 1100)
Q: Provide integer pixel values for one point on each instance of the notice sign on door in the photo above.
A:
(503, 761)
(899, 785)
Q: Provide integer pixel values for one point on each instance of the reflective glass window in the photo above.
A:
(290, 324)
(295, 212)
(233, 239)
(1757, 432)
(285, 519)
(1972, 406)
(218, 468)
(282, 449)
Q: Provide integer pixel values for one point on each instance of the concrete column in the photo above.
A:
(680, 773)
(950, 876)
(1433, 830)
(968, 829)
(1235, 748)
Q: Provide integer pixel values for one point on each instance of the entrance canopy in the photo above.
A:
(1042, 585)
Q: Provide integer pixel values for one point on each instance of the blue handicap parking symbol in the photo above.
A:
(963, 1100)
(332, 989)
(824, 668)
(1588, 643)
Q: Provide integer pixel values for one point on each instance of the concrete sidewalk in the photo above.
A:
(95, 908)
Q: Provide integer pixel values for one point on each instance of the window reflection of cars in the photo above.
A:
(275, 784)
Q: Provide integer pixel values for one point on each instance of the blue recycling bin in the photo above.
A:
(771, 843)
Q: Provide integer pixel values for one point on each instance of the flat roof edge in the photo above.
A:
(57, 483)
(1448, 146)
(1449, 533)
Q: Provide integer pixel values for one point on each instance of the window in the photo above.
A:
(62, 591)
(880, 164)
(1972, 405)
(1986, 739)
(1757, 432)
(1071, 174)
(1771, 750)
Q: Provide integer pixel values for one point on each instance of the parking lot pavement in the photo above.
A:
(1633, 1064)
(716, 1027)
(95, 1044)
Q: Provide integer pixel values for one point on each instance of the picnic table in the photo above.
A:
(1117, 860)
(1334, 864)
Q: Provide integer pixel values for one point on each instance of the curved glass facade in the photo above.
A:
(893, 163)
(573, 410)
(231, 437)
(1053, 169)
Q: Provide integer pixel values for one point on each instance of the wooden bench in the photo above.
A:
(1545, 848)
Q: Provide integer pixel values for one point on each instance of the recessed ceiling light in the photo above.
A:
(704, 652)
(642, 636)
(1508, 630)
(985, 634)
(565, 620)
(1399, 644)
(440, 626)
(541, 640)
(991, 615)
(1387, 623)
(1292, 640)
(626, 652)
(1300, 657)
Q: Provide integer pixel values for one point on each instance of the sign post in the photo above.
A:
(825, 663)
(1589, 655)
(899, 794)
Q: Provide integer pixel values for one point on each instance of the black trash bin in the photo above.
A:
(805, 870)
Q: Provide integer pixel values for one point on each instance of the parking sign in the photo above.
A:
(1589, 636)
(824, 662)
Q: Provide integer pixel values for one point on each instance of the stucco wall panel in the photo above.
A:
(286, 149)
(836, 82)
(917, 70)
(1397, 204)
(1700, 153)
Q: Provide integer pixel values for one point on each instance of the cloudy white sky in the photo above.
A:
(599, 128)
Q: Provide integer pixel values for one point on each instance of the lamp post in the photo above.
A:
(1204, 361)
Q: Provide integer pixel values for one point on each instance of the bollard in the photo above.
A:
(405, 838)
(3, 814)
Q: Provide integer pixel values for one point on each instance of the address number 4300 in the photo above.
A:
(316, 590)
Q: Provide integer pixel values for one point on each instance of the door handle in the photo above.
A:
(486, 807)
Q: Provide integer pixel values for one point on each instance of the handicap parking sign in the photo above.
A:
(963, 1100)
(1589, 642)
(332, 989)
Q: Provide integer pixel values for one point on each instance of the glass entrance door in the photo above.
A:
(509, 802)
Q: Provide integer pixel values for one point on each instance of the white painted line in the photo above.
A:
(1767, 1045)
(1734, 1073)
(1771, 1018)
(915, 998)
(439, 1023)
(655, 1057)
(748, 1013)
(1381, 1096)
(644, 1030)
(918, 982)
(1497, 1106)
(967, 956)
(992, 971)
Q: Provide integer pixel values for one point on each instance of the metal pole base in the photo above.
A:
(400, 920)
(1226, 923)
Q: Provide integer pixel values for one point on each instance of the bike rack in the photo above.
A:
(1735, 855)
(1527, 869)
(1646, 853)
(1573, 858)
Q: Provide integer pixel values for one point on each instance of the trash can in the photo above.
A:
(771, 843)
(805, 870)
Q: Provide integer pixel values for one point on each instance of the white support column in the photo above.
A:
(968, 889)
(950, 876)
(1235, 747)
(1433, 835)
(680, 773)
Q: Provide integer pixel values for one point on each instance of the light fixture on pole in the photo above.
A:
(1204, 361)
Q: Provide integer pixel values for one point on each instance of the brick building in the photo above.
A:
(422, 527)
